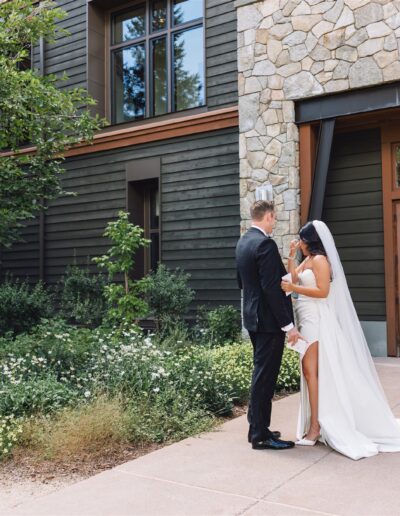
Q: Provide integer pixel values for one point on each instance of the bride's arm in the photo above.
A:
(292, 262)
(322, 275)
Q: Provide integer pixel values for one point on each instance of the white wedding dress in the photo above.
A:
(353, 411)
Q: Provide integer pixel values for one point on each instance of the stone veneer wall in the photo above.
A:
(293, 50)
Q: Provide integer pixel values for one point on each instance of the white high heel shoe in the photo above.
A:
(307, 442)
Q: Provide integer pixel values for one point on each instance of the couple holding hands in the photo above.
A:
(342, 402)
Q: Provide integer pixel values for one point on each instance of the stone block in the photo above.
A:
(390, 43)
(378, 30)
(365, 72)
(256, 158)
(298, 52)
(248, 109)
(347, 53)
(289, 69)
(248, 18)
(320, 53)
(281, 30)
(334, 39)
(305, 22)
(302, 8)
(252, 85)
(264, 67)
(290, 199)
(370, 47)
(345, 19)
(274, 48)
(392, 72)
(370, 13)
(301, 85)
(333, 14)
(384, 59)
(295, 38)
(321, 28)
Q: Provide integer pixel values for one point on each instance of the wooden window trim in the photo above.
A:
(214, 120)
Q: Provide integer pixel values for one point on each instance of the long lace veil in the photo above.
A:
(340, 302)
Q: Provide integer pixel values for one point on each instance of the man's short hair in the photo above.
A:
(260, 208)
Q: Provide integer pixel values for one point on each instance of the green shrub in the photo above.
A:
(219, 326)
(168, 295)
(289, 373)
(10, 431)
(22, 306)
(167, 417)
(35, 396)
(82, 296)
(235, 364)
(125, 302)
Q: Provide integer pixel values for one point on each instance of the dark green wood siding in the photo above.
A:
(199, 212)
(221, 53)
(353, 211)
(68, 52)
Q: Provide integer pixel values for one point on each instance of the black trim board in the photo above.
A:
(348, 103)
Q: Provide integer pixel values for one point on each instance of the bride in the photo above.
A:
(342, 401)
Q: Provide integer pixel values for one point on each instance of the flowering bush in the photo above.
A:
(10, 429)
(166, 390)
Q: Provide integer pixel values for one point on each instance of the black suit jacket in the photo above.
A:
(266, 308)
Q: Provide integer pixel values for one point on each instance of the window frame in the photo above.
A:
(147, 39)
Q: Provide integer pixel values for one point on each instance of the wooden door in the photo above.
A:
(391, 206)
(396, 230)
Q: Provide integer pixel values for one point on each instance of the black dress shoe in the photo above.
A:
(275, 434)
(272, 444)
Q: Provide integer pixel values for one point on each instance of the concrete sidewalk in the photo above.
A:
(219, 473)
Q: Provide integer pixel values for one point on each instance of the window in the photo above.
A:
(157, 59)
(144, 209)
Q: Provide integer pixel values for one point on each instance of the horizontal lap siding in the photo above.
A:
(68, 53)
(353, 211)
(200, 212)
(22, 259)
(221, 53)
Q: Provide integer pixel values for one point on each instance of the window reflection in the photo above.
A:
(159, 15)
(187, 10)
(159, 56)
(129, 25)
(188, 69)
(129, 87)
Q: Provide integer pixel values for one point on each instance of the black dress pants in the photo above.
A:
(268, 350)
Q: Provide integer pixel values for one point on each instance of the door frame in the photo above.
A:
(390, 134)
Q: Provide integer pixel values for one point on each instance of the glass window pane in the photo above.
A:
(129, 25)
(129, 83)
(154, 251)
(187, 10)
(159, 57)
(154, 208)
(159, 15)
(397, 171)
(188, 69)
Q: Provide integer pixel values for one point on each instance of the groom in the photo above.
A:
(267, 315)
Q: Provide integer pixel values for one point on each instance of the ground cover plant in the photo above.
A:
(65, 388)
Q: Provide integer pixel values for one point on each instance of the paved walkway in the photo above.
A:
(218, 473)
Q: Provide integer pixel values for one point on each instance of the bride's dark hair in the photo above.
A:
(309, 236)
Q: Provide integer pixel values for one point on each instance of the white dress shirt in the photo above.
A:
(291, 325)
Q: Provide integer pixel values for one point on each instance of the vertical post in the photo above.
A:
(307, 160)
(321, 168)
(41, 215)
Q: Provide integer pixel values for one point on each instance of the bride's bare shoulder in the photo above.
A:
(320, 258)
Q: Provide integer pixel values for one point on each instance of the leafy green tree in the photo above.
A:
(125, 300)
(38, 120)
